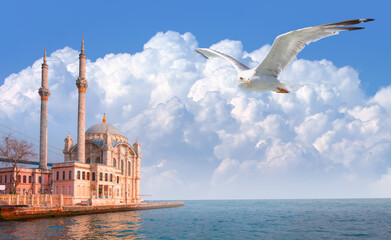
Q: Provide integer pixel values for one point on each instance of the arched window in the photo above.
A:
(24, 181)
(93, 176)
(98, 160)
(88, 160)
(88, 176)
(84, 176)
(122, 166)
(114, 163)
(129, 167)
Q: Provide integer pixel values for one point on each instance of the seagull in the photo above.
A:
(284, 49)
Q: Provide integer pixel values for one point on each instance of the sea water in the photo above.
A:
(222, 219)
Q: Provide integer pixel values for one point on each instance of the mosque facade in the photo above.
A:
(101, 168)
(111, 170)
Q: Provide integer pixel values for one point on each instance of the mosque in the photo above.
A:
(102, 168)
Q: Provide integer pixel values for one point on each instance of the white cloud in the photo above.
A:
(159, 181)
(200, 132)
(382, 187)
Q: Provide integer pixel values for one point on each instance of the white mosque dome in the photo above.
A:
(101, 128)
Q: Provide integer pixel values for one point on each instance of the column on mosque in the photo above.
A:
(43, 138)
(82, 86)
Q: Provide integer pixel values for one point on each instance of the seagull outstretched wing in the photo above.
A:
(208, 53)
(288, 45)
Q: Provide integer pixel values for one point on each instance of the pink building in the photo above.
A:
(30, 181)
(102, 168)
(110, 173)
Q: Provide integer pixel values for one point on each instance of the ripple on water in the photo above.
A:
(240, 219)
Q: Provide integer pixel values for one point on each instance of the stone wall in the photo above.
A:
(36, 200)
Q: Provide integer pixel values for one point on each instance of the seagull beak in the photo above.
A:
(247, 81)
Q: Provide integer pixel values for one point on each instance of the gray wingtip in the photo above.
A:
(350, 22)
(367, 19)
(198, 50)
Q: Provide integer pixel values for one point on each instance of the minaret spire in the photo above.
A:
(82, 44)
(43, 136)
(82, 85)
(44, 56)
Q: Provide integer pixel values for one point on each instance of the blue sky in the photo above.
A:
(124, 26)
(202, 137)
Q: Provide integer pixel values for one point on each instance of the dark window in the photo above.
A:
(88, 176)
(70, 175)
(128, 168)
(122, 166)
(84, 176)
(1, 179)
(93, 176)
(39, 179)
(63, 175)
(5, 179)
(30, 179)
(111, 177)
(100, 176)
(117, 179)
(78, 175)
(57, 175)
(24, 179)
(114, 162)
(88, 160)
(19, 178)
(98, 160)
(106, 177)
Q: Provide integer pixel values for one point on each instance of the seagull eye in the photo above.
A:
(241, 78)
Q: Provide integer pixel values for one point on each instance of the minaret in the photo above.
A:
(107, 147)
(68, 143)
(67, 148)
(137, 170)
(43, 138)
(82, 85)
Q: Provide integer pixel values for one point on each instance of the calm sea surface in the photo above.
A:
(222, 219)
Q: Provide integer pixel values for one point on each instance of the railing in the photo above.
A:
(49, 200)
(36, 200)
(68, 200)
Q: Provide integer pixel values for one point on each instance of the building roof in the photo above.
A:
(114, 143)
(101, 128)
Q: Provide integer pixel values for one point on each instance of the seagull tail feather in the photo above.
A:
(292, 84)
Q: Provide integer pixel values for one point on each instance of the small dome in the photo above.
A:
(101, 128)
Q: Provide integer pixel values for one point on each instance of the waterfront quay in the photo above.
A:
(20, 212)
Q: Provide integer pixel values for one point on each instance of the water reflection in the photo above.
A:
(223, 219)
(97, 226)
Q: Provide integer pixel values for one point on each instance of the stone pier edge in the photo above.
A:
(10, 213)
